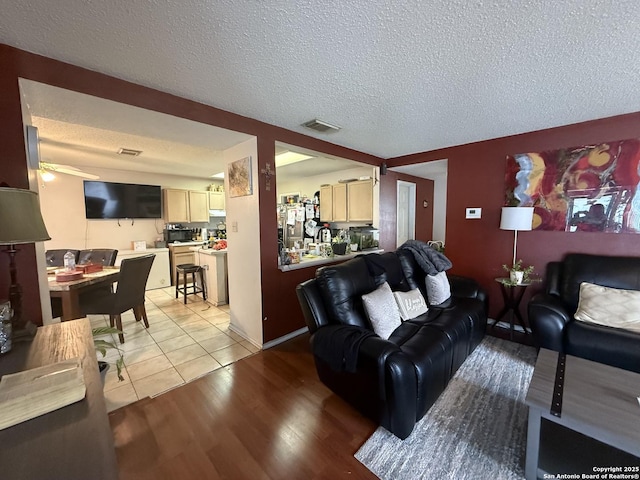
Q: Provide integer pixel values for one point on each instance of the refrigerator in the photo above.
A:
(297, 222)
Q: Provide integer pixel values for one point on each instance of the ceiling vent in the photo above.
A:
(320, 126)
(130, 152)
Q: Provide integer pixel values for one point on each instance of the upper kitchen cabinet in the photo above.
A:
(216, 201)
(198, 206)
(347, 202)
(340, 205)
(185, 206)
(360, 201)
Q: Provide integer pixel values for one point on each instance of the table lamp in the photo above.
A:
(21, 222)
(516, 219)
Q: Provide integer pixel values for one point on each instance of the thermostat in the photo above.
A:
(473, 213)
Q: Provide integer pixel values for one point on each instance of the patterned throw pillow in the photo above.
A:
(612, 307)
(382, 310)
(438, 288)
(411, 304)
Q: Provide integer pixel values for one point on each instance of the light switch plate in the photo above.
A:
(473, 213)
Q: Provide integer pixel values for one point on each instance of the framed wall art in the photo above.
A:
(240, 181)
(592, 188)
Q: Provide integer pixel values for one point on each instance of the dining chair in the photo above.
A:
(55, 258)
(129, 294)
(105, 256)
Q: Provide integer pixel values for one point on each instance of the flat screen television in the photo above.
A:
(121, 200)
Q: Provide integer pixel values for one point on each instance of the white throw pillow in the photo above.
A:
(612, 307)
(411, 304)
(382, 310)
(438, 288)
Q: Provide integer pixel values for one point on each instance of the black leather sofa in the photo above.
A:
(394, 381)
(551, 312)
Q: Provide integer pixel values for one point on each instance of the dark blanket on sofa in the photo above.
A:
(430, 260)
(340, 349)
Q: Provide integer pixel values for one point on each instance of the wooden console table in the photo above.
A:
(74, 442)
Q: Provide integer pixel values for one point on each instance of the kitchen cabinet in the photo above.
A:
(360, 201)
(198, 206)
(340, 205)
(214, 263)
(347, 202)
(216, 201)
(159, 276)
(186, 206)
(326, 203)
(176, 205)
(179, 255)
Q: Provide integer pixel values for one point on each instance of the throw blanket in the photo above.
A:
(340, 349)
(430, 260)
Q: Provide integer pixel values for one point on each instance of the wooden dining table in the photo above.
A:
(69, 292)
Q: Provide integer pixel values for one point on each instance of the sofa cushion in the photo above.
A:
(438, 288)
(410, 304)
(342, 287)
(611, 307)
(382, 310)
(609, 271)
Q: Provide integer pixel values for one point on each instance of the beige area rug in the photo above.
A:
(476, 429)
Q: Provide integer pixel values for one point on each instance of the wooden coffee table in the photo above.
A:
(600, 409)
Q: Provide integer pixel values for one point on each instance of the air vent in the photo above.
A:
(320, 126)
(130, 152)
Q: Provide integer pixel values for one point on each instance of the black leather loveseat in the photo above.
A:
(551, 314)
(394, 381)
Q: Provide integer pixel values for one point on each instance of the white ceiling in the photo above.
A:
(399, 77)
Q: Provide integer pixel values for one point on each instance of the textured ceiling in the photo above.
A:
(398, 76)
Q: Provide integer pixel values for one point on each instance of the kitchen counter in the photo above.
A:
(214, 263)
(208, 251)
(315, 261)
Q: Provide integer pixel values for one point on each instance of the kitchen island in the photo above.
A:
(317, 261)
(215, 264)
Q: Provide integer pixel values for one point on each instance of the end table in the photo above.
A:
(512, 294)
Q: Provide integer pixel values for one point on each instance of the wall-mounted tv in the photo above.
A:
(122, 200)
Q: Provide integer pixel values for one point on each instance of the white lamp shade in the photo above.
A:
(516, 218)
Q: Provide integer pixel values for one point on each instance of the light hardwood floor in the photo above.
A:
(266, 416)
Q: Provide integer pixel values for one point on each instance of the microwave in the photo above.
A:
(177, 235)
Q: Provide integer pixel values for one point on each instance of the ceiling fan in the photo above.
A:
(47, 171)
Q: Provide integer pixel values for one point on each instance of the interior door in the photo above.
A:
(406, 212)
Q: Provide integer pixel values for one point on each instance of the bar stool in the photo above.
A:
(186, 269)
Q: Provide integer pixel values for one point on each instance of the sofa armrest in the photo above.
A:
(384, 379)
(312, 305)
(547, 318)
(466, 287)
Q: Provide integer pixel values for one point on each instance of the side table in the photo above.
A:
(512, 296)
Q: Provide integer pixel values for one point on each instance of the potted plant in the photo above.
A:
(519, 274)
(102, 346)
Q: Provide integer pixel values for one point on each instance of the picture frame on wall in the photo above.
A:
(240, 178)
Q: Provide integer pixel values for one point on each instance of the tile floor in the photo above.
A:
(182, 343)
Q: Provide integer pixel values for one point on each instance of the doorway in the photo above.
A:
(406, 212)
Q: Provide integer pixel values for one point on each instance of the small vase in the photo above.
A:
(516, 277)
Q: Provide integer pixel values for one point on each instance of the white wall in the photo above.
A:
(62, 204)
(243, 254)
(440, 207)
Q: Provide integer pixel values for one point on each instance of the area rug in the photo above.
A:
(476, 429)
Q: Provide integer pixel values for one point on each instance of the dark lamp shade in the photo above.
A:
(20, 217)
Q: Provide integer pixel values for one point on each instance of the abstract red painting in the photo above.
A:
(593, 188)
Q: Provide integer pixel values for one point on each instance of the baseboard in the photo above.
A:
(288, 336)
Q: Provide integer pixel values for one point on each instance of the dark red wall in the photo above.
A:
(478, 248)
(475, 179)
(281, 313)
